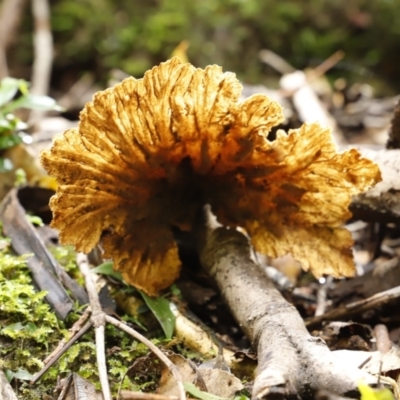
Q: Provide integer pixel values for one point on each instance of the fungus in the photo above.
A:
(149, 153)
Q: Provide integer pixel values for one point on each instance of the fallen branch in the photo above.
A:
(291, 361)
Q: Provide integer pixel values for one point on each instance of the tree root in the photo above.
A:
(291, 363)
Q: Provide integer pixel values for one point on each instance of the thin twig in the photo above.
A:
(99, 321)
(60, 351)
(357, 307)
(74, 330)
(128, 395)
(322, 296)
(168, 363)
(383, 342)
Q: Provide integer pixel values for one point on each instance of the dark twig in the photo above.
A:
(75, 330)
(55, 356)
(358, 307)
(394, 132)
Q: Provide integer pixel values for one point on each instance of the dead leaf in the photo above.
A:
(77, 388)
(216, 381)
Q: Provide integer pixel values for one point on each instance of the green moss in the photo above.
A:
(30, 330)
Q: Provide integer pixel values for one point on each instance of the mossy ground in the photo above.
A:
(30, 330)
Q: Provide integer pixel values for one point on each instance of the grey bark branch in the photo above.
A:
(291, 361)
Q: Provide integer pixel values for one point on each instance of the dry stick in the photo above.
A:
(55, 356)
(326, 65)
(75, 330)
(282, 66)
(168, 363)
(127, 395)
(291, 361)
(10, 16)
(348, 310)
(99, 322)
(383, 342)
(322, 296)
(43, 49)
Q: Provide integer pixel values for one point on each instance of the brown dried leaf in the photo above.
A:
(149, 153)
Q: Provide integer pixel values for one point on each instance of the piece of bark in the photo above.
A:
(291, 362)
(46, 272)
(6, 391)
(382, 202)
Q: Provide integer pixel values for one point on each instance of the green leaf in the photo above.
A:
(194, 391)
(33, 102)
(368, 393)
(241, 397)
(22, 374)
(31, 327)
(7, 125)
(9, 375)
(161, 310)
(20, 179)
(34, 220)
(8, 141)
(13, 327)
(8, 89)
(107, 269)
